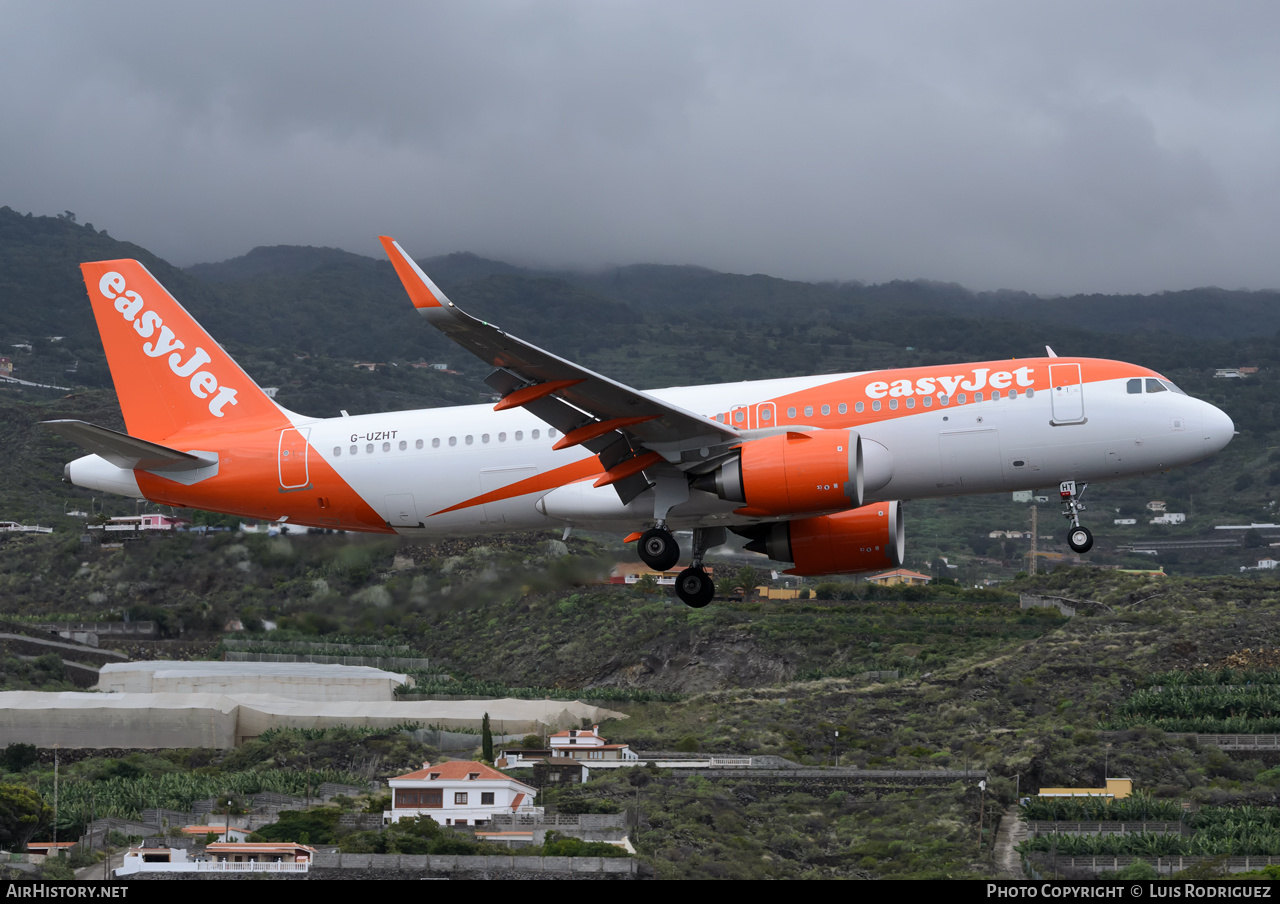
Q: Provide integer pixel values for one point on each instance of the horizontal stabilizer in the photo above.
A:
(125, 451)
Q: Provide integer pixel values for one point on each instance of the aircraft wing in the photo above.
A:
(125, 451)
(588, 408)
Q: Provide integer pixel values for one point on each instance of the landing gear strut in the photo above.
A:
(694, 586)
(1080, 539)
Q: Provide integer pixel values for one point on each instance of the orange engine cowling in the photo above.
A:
(792, 473)
(865, 539)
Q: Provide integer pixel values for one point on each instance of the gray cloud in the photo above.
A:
(1057, 148)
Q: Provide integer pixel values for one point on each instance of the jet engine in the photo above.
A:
(865, 539)
(800, 472)
(792, 472)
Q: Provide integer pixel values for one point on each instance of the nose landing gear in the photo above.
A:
(1079, 538)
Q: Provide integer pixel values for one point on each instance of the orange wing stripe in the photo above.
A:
(579, 470)
(627, 468)
(591, 431)
(533, 393)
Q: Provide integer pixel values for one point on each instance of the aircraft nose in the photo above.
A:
(1218, 429)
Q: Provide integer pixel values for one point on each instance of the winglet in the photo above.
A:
(422, 291)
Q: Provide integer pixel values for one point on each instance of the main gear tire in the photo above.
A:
(658, 549)
(695, 588)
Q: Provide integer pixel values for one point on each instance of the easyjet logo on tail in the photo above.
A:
(203, 384)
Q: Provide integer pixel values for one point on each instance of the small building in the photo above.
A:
(220, 857)
(900, 576)
(1022, 495)
(1169, 518)
(15, 527)
(225, 833)
(765, 592)
(148, 521)
(6, 366)
(1157, 505)
(1125, 521)
(586, 744)
(1263, 565)
(1116, 789)
(631, 572)
(459, 793)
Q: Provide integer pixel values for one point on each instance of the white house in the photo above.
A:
(220, 857)
(1170, 518)
(1126, 521)
(459, 793)
(1263, 565)
(584, 744)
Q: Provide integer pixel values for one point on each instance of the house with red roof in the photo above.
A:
(586, 744)
(459, 793)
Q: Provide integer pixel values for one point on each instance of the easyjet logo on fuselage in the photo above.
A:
(203, 384)
(976, 380)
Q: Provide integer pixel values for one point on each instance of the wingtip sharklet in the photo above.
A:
(422, 291)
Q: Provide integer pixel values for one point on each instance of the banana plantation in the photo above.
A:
(79, 802)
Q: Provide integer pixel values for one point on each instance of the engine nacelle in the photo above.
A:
(792, 473)
(866, 539)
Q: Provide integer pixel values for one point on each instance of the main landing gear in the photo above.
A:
(658, 549)
(1079, 538)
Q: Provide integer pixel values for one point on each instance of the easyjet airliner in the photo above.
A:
(809, 469)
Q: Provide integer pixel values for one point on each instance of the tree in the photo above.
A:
(486, 742)
(23, 813)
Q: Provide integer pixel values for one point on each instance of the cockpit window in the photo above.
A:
(1134, 386)
(1154, 385)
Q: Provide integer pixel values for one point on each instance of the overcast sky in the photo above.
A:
(1053, 147)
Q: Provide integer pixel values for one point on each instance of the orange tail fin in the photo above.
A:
(169, 374)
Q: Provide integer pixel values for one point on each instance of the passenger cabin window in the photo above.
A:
(808, 411)
(942, 399)
(893, 404)
(534, 434)
(337, 450)
(791, 413)
(858, 406)
(928, 401)
(826, 410)
(911, 403)
(766, 414)
(842, 408)
(1134, 386)
(875, 406)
